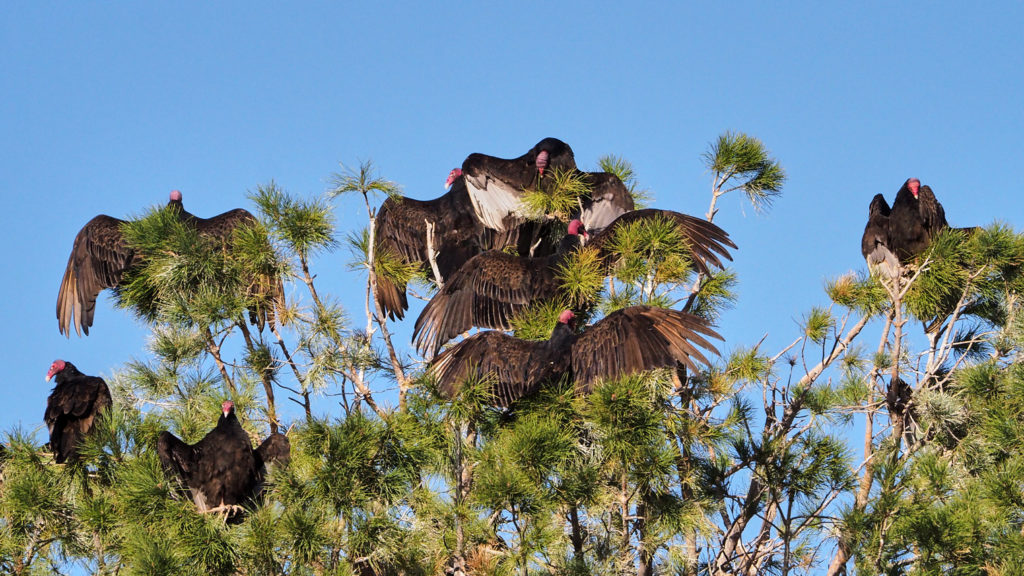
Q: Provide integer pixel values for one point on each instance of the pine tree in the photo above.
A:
(742, 469)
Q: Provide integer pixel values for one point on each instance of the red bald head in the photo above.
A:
(913, 185)
(576, 228)
(56, 367)
(175, 196)
(227, 406)
(566, 317)
(542, 161)
(452, 177)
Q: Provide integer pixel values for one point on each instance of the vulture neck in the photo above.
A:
(227, 419)
(179, 209)
(905, 198)
(68, 373)
(568, 244)
(561, 337)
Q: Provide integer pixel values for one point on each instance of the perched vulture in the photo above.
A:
(72, 408)
(483, 211)
(899, 235)
(496, 185)
(100, 257)
(916, 218)
(400, 230)
(874, 245)
(626, 341)
(221, 471)
(488, 290)
(492, 287)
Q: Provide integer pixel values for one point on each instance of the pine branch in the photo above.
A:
(214, 349)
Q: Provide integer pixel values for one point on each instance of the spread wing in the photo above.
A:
(486, 292)
(707, 242)
(496, 185)
(98, 259)
(177, 458)
(266, 290)
(608, 199)
(222, 225)
(400, 232)
(637, 339)
(513, 368)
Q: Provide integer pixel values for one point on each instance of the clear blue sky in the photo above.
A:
(106, 107)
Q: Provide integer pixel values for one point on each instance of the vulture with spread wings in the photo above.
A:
(483, 210)
(496, 185)
(222, 472)
(400, 231)
(101, 256)
(489, 289)
(627, 341)
(72, 408)
(492, 287)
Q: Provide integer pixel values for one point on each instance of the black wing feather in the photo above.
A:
(486, 292)
(513, 367)
(99, 257)
(608, 199)
(637, 339)
(71, 412)
(707, 241)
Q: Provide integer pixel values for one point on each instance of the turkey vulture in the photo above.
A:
(72, 408)
(100, 257)
(488, 290)
(492, 287)
(916, 218)
(221, 471)
(482, 211)
(626, 341)
(496, 185)
(400, 230)
(874, 245)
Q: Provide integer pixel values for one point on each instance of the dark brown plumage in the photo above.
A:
(483, 211)
(607, 200)
(221, 471)
(72, 408)
(488, 290)
(492, 287)
(874, 244)
(627, 341)
(898, 236)
(916, 218)
(496, 185)
(100, 257)
(267, 292)
(400, 229)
